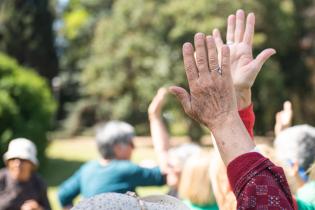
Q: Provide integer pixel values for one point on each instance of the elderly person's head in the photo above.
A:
(20, 159)
(295, 146)
(115, 140)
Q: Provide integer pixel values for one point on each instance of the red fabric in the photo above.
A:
(295, 204)
(258, 183)
(248, 117)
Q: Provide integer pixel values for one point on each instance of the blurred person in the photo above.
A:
(21, 188)
(173, 158)
(178, 157)
(222, 190)
(113, 172)
(295, 147)
(195, 186)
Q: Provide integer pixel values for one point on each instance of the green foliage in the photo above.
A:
(136, 48)
(26, 105)
(26, 34)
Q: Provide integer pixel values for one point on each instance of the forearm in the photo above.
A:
(160, 140)
(229, 146)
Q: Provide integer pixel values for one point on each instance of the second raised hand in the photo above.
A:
(239, 38)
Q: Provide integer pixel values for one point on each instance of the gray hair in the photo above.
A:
(111, 134)
(297, 143)
(184, 152)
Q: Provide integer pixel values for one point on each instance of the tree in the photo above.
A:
(26, 34)
(137, 49)
(26, 105)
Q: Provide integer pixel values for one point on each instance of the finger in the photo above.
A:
(225, 62)
(183, 96)
(287, 106)
(239, 28)
(230, 29)
(189, 63)
(212, 53)
(201, 54)
(262, 58)
(162, 92)
(217, 39)
(250, 29)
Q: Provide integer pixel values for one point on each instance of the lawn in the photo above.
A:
(66, 156)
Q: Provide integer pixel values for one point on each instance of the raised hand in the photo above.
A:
(157, 103)
(211, 100)
(211, 97)
(284, 117)
(239, 38)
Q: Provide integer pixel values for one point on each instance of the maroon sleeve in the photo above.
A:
(248, 117)
(258, 184)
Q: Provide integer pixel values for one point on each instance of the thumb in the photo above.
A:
(263, 57)
(181, 95)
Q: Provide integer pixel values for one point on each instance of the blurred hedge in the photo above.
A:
(26, 106)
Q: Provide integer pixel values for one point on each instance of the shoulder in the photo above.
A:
(125, 164)
(89, 165)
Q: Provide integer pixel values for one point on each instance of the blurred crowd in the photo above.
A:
(236, 173)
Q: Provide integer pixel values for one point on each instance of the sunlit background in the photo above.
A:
(68, 65)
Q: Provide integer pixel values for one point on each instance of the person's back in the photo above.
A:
(114, 172)
(117, 176)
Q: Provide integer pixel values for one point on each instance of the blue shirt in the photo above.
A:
(118, 176)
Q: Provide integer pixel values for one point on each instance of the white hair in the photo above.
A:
(111, 134)
(296, 144)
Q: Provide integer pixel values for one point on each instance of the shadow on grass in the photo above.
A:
(58, 170)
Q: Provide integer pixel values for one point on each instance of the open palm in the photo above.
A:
(239, 36)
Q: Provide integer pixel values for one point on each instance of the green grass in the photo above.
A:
(66, 156)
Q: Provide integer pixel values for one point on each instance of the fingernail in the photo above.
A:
(187, 46)
(199, 35)
(239, 12)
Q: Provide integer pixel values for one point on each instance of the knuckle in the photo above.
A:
(189, 67)
(200, 60)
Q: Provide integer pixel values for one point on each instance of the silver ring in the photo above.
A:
(229, 42)
(219, 70)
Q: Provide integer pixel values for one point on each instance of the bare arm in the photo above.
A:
(159, 134)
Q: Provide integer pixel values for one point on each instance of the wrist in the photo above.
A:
(243, 98)
(154, 115)
(230, 119)
(232, 138)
